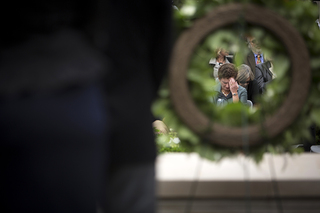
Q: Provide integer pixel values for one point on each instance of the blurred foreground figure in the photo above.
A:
(220, 59)
(76, 133)
(139, 50)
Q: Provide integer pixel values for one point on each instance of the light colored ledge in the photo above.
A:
(294, 176)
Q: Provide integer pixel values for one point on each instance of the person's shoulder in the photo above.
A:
(217, 87)
(264, 65)
(250, 54)
(241, 89)
(213, 61)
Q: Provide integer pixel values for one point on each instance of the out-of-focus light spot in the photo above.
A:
(234, 48)
(188, 10)
(175, 140)
(270, 93)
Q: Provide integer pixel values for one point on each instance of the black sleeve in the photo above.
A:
(139, 40)
(162, 41)
(259, 78)
(138, 48)
(254, 91)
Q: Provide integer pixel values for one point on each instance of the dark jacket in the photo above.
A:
(253, 91)
(251, 62)
(48, 46)
(139, 52)
(263, 75)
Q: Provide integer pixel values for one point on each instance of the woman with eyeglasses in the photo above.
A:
(246, 79)
(221, 58)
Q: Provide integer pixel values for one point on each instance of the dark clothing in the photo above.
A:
(250, 61)
(54, 54)
(307, 143)
(53, 151)
(253, 91)
(139, 54)
(263, 75)
(53, 115)
(46, 47)
(49, 63)
(132, 188)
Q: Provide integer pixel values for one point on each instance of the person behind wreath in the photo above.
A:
(264, 75)
(228, 89)
(255, 56)
(220, 59)
(246, 79)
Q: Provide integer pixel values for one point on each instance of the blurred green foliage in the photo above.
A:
(302, 16)
(165, 142)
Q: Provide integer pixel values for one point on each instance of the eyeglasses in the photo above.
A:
(244, 82)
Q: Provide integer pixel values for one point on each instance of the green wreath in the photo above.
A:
(302, 16)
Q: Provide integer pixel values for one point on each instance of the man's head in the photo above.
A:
(254, 45)
(225, 72)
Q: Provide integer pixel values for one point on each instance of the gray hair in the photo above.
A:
(244, 72)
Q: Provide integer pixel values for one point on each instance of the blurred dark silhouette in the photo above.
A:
(77, 81)
(139, 50)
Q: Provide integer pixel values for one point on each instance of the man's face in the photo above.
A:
(254, 45)
(225, 84)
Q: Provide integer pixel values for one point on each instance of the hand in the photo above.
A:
(233, 86)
